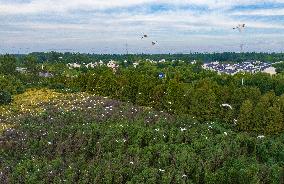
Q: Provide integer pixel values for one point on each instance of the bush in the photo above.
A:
(57, 86)
(5, 97)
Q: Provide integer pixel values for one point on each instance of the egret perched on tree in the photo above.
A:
(227, 105)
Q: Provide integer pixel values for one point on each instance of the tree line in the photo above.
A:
(205, 57)
(256, 100)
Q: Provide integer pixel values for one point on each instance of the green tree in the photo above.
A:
(159, 93)
(204, 105)
(107, 85)
(30, 63)
(244, 93)
(261, 114)
(5, 97)
(129, 90)
(198, 66)
(174, 98)
(245, 122)
(274, 120)
(145, 90)
(8, 65)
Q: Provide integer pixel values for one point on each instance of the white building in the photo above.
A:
(112, 64)
(91, 65)
(21, 70)
(73, 65)
(101, 63)
(135, 64)
(271, 70)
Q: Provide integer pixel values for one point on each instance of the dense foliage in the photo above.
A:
(256, 100)
(5, 97)
(78, 138)
(132, 126)
(198, 94)
(7, 65)
(279, 67)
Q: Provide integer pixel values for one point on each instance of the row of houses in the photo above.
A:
(248, 67)
(42, 73)
(231, 69)
(89, 65)
(114, 65)
(162, 61)
(111, 64)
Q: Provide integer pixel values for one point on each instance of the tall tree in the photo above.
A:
(8, 65)
(274, 120)
(30, 63)
(261, 114)
(245, 120)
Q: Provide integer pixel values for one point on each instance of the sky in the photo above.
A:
(116, 26)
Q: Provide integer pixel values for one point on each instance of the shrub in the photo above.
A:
(57, 86)
(5, 97)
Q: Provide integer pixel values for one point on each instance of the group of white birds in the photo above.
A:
(239, 27)
(145, 36)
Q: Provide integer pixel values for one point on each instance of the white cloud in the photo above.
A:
(176, 26)
(38, 6)
(262, 12)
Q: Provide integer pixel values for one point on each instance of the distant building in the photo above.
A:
(270, 70)
(73, 65)
(45, 74)
(21, 70)
(135, 64)
(248, 66)
(151, 61)
(112, 64)
(91, 65)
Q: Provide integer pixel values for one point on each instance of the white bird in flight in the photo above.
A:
(240, 27)
(144, 36)
(154, 43)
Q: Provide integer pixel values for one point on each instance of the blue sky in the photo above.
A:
(105, 26)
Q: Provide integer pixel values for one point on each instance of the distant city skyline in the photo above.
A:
(116, 26)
